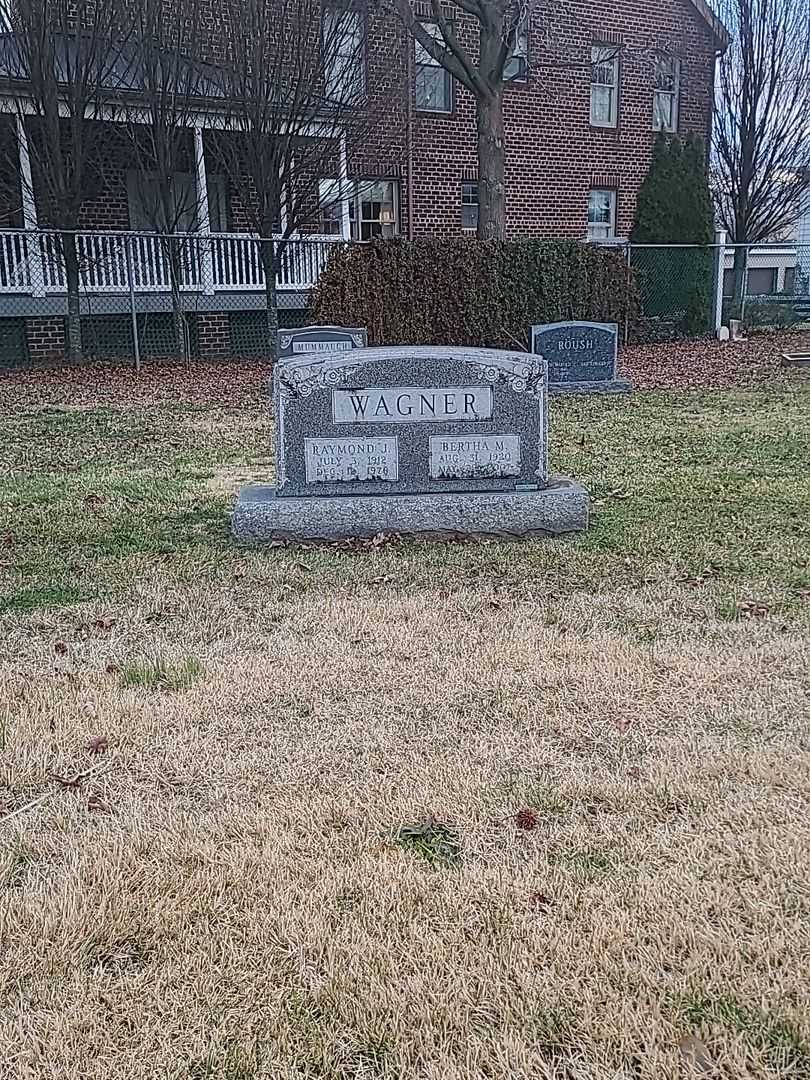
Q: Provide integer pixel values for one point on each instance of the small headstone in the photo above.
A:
(309, 339)
(429, 440)
(582, 357)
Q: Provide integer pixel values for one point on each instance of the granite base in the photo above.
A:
(561, 507)
(605, 386)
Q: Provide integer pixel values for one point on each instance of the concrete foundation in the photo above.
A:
(560, 507)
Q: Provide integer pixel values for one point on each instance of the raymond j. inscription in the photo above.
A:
(411, 404)
(330, 461)
(453, 458)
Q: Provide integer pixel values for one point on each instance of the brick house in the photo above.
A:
(590, 84)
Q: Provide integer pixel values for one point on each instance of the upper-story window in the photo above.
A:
(517, 66)
(434, 84)
(343, 45)
(667, 91)
(604, 85)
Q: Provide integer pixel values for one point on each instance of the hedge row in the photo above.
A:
(468, 292)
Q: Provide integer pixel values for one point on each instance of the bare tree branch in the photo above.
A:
(295, 105)
(62, 61)
(761, 135)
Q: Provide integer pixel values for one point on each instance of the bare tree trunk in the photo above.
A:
(740, 273)
(174, 259)
(491, 162)
(268, 257)
(73, 329)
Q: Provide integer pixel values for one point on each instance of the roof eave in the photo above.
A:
(717, 27)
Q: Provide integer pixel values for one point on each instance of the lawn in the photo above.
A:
(396, 809)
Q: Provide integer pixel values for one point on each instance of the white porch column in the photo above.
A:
(803, 248)
(720, 239)
(203, 214)
(343, 178)
(29, 210)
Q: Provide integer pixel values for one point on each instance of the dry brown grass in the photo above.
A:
(227, 899)
(607, 734)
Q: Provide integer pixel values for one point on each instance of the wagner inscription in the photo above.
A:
(330, 461)
(411, 404)
(453, 458)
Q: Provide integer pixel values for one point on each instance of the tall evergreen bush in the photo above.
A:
(675, 207)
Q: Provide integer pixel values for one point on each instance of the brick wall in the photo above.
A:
(46, 339)
(214, 334)
(554, 156)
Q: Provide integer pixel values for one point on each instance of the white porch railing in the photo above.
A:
(119, 262)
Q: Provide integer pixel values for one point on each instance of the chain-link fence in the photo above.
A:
(689, 290)
(144, 297)
(138, 297)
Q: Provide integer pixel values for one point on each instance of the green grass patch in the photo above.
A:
(436, 843)
(41, 597)
(780, 1041)
(711, 487)
(158, 673)
(588, 864)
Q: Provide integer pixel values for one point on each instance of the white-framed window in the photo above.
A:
(331, 208)
(469, 205)
(604, 85)
(667, 92)
(373, 208)
(147, 212)
(516, 68)
(434, 84)
(343, 47)
(601, 214)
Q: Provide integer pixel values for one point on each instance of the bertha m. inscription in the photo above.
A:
(452, 457)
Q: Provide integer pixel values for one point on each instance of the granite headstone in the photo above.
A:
(411, 440)
(390, 421)
(582, 357)
(308, 339)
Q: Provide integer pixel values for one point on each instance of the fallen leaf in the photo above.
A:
(695, 1053)
(95, 802)
(526, 819)
(752, 609)
(60, 648)
(7, 539)
(97, 744)
(93, 501)
(112, 669)
(634, 772)
(72, 782)
(540, 900)
(104, 622)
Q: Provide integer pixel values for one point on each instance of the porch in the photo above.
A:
(122, 270)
